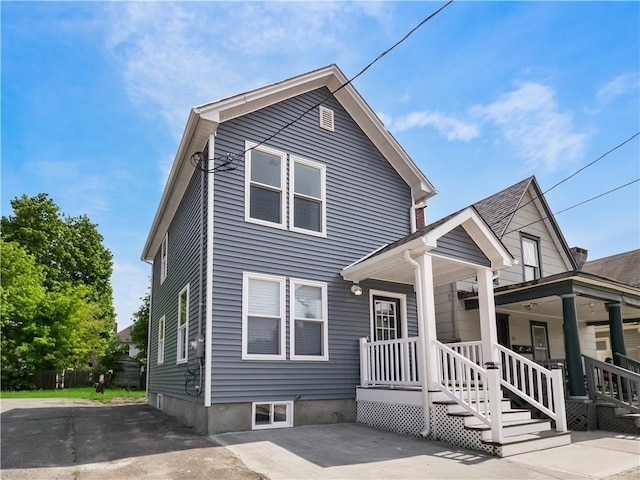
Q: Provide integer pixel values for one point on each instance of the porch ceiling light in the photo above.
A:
(529, 306)
(356, 289)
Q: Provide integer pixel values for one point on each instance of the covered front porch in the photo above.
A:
(451, 392)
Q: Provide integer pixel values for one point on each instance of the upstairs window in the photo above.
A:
(183, 325)
(263, 317)
(307, 196)
(164, 247)
(530, 258)
(264, 186)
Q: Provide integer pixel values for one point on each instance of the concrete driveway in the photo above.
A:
(65, 439)
(354, 451)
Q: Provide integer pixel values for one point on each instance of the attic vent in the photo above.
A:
(326, 118)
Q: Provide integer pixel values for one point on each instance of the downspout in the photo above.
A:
(208, 358)
(426, 401)
(412, 217)
(149, 330)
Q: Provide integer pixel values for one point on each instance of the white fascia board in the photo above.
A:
(369, 122)
(259, 98)
(194, 138)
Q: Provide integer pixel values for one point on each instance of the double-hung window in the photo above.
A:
(265, 186)
(263, 317)
(183, 326)
(308, 313)
(307, 196)
(164, 247)
(530, 258)
(161, 341)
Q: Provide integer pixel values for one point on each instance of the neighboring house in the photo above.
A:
(292, 285)
(546, 307)
(125, 338)
(623, 267)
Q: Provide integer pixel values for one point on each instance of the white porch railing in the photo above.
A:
(464, 381)
(542, 388)
(392, 363)
(469, 350)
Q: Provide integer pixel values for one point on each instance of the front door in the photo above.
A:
(540, 340)
(502, 322)
(386, 318)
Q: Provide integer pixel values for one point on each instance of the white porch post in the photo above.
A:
(429, 317)
(488, 331)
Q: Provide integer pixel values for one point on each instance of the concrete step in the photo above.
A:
(512, 429)
(512, 415)
(532, 442)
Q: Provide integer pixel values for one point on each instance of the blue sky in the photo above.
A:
(95, 97)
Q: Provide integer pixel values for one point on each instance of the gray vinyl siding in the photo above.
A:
(367, 206)
(182, 269)
(527, 220)
(459, 245)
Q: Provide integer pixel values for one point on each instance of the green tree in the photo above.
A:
(69, 249)
(140, 327)
(57, 307)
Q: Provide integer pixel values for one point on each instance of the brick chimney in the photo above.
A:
(420, 218)
(579, 255)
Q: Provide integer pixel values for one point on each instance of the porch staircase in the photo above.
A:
(521, 433)
(466, 402)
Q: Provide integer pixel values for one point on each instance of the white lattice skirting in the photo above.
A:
(405, 419)
(409, 420)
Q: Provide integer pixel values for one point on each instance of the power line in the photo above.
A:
(230, 158)
(576, 205)
(567, 178)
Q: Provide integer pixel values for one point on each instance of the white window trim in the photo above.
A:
(164, 257)
(161, 337)
(246, 276)
(537, 268)
(249, 147)
(324, 320)
(323, 192)
(185, 327)
(286, 424)
(403, 311)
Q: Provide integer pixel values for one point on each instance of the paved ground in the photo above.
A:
(63, 439)
(353, 451)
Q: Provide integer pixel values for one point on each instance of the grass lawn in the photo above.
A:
(88, 393)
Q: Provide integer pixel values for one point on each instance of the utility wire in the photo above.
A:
(576, 205)
(231, 158)
(569, 177)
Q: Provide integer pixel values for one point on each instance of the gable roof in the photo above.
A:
(388, 263)
(624, 267)
(204, 120)
(498, 210)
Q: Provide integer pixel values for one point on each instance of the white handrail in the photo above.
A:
(464, 381)
(542, 388)
(470, 350)
(391, 363)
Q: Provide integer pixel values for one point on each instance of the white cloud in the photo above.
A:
(175, 56)
(619, 86)
(450, 127)
(530, 120)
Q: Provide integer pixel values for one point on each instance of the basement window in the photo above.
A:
(271, 415)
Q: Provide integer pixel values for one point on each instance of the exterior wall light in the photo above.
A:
(530, 306)
(356, 289)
